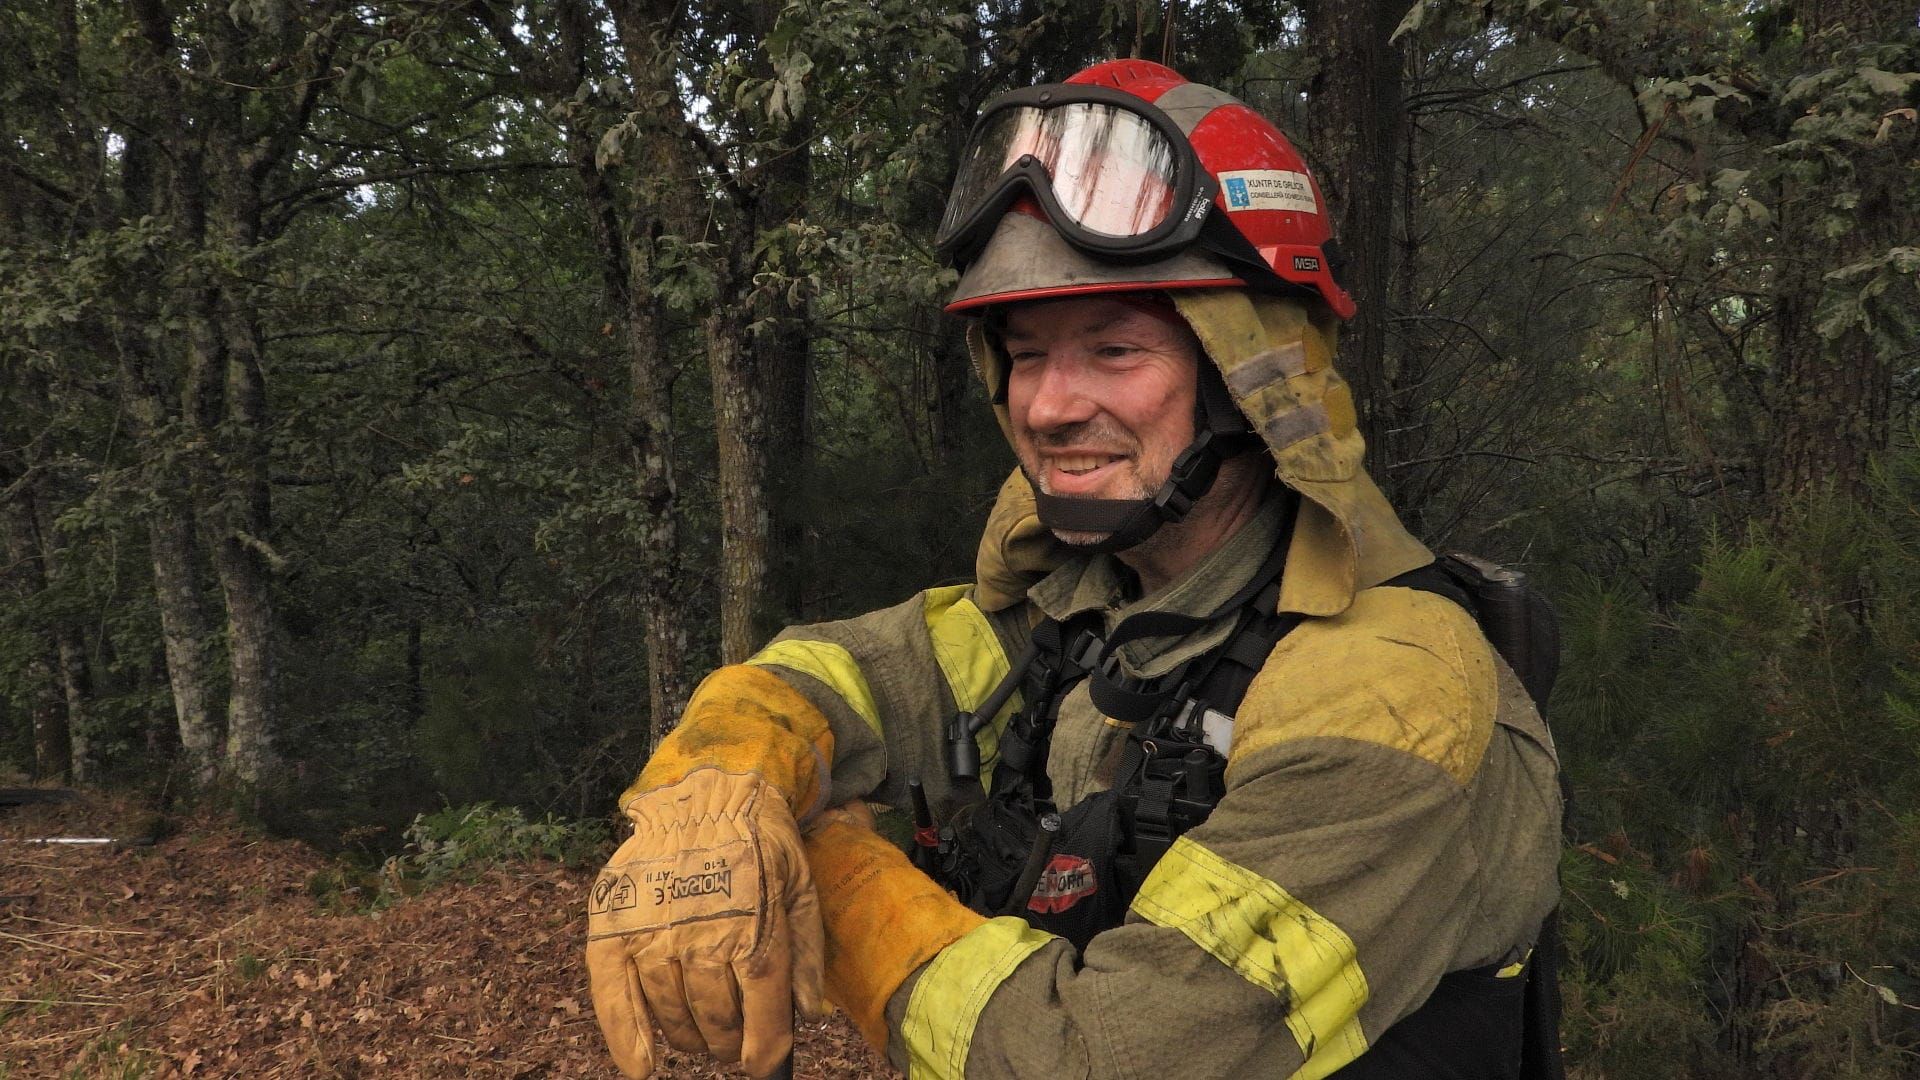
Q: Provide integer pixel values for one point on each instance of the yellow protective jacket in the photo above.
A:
(1391, 812)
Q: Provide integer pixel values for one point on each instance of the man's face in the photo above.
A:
(1101, 395)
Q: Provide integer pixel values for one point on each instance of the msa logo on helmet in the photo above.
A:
(1065, 881)
(1306, 264)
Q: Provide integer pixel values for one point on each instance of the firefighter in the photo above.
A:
(1213, 785)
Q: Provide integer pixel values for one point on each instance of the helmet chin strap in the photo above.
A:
(1222, 432)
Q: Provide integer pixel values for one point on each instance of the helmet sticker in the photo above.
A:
(1269, 189)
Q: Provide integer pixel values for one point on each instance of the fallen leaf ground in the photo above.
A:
(208, 955)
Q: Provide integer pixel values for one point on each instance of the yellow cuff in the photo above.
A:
(746, 719)
(883, 918)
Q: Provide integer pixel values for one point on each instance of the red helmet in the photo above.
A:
(1129, 177)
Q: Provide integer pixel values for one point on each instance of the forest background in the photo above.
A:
(402, 402)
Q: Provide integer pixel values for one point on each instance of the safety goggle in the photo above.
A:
(1114, 175)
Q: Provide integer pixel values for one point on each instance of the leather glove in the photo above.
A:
(884, 918)
(706, 921)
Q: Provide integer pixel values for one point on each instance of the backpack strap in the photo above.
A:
(1520, 624)
(1515, 616)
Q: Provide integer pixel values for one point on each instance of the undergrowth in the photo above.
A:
(461, 842)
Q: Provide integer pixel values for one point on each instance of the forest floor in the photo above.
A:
(217, 952)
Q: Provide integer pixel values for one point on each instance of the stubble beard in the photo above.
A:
(1135, 489)
(1170, 535)
(1093, 539)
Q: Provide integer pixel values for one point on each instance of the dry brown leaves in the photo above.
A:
(206, 956)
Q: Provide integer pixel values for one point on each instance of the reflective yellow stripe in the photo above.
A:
(947, 1001)
(831, 664)
(1273, 940)
(971, 658)
(1514, 968)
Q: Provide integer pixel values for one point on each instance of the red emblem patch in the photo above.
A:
(1066, 879)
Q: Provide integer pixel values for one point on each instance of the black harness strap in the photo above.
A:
(1136, 700)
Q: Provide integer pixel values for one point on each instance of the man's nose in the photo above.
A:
(1059, 398)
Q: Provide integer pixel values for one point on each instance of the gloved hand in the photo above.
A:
(884, 918)
(706, 920)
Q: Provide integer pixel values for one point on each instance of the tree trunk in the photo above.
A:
(241, 555)
(1831, 408)
(174, 551)
(1396, 433)
(52, 739)
(59, 690)
(740, 428)
(70, 655)
(44, 694)
(650, 434)
(416, 699)
(184, 477)
(784, 351)
(1832, 395)
(1355, 108)
(251, 754)
(643, 28)
(625, 249)
(185, 629)
(242, 131)
(158, 408)
(783, 345)
(76, 692)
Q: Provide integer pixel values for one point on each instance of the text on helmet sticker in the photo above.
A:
(1269, 189)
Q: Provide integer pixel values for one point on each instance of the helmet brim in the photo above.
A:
(1025, 259)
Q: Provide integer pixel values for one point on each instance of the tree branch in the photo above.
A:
(1454, 95)
(47, 187)
(347, 183)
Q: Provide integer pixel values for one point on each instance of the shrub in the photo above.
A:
(462, 841)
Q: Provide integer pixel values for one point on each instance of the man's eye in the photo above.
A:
(1117, 350)
(1025, 357)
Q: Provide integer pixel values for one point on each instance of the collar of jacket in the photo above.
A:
(1276, 354)
(1098, 583)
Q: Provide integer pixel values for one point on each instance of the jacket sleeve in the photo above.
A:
(1382, 826)
(887, 681)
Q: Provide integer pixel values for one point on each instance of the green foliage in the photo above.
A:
(1747, 875)
(343, 890)
(461, 842)
(1641, 952)
(249, 967)
(111, 1056)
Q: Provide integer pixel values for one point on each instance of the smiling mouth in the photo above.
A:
(1082, 464)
